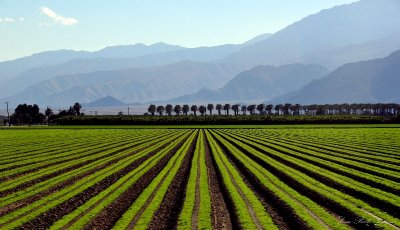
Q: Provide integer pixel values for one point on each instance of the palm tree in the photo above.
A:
(227, 107)
(236, 108)
(177, 109)
(168, 109)
(210, 108)
(244, 109)
(194, 109)
(185, 109)
(286, 108)
(260, 108)
(160, 110)
(251, 109)
(269, 108)
(278, 108)
(219, 108)
(202, 109)
(77, 108)
(152, 109)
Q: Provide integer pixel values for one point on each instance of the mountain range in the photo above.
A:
(370, 81)
(267, 66)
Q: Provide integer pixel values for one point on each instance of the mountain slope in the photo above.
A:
(129, 85)
(371, 81)
(87, 65)
(11, 69)
(108, 101)
(328, 30)
(261, 83)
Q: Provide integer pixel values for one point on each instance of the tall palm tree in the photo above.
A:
(278, 109)
(236, 108)
(219, 108)
(168, 109)
(286, 109)
(243, 109)
(251, 109)
(260, 108)
(194, 109)
(152, 109)
(160, 110)
(177, 109)
(269, 108)
(185, 109)
(202, 109)
(227, 107)
(210, 107)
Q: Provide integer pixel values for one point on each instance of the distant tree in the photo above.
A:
(120, 113)
(244, 109)
(194, 109)
(235, 109)
(177, 109)
(202, 109)
(77, 108)
(219, 108)
(227, 107)
(210, 107)
(160, 110)
(152, 109)
(48, 113)
(278, 108)
(185, 109)
(269, 108)
(286, 108)
(168, 109)
(27, 114)
(251, 109)
(260, 108)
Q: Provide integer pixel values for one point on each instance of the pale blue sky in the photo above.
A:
(30, 26)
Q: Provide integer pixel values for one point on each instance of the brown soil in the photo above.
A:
(57, 173)
(196, 207)
(110, 214)
(373, 201)
(166, 217)
(221, 205)
(45, 220)
(328, 204)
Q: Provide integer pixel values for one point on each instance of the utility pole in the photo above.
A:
(8, 113)
(128, 111)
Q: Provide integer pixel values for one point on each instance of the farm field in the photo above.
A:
(319, 177)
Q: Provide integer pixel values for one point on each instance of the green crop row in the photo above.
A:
(198, 183)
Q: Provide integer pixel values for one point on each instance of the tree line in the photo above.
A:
(379, 109)
(25, 114)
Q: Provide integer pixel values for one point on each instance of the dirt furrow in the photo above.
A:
(46, 219)
(166, 217)
(326, 203)
(22, 203)
(222, 210)
(110, 214)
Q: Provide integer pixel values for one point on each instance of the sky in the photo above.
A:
(28, 27)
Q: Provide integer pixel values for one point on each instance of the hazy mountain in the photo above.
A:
(371, 81)
(36, 75)
(135, 50)
(10, 69)
(261, 83)
(129, 85)
(258, 38)
(108, 101)
(326, 32)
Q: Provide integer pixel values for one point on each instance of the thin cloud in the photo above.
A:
(6, 20)
(58, 18)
